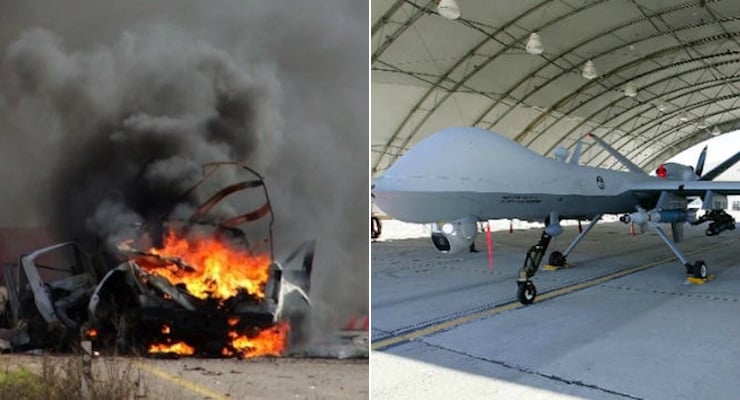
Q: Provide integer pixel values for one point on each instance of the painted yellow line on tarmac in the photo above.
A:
(413, 335)
(193, 387)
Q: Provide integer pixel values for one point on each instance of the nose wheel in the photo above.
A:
(526, 293)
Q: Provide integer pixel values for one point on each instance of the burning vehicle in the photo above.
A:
(47, 295)
(200, 281)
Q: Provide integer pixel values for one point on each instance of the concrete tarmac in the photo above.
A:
(646, 335)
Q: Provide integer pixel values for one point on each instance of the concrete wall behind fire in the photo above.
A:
(107, 108)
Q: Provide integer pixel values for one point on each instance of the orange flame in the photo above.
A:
(210, 268)
(269, 342)
(180, 348)
(218, 271)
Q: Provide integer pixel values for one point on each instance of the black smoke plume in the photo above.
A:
(108, 109)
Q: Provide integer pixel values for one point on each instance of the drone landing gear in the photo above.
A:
(559, 260)
(698, 272)
(556, 261)
(526, 291)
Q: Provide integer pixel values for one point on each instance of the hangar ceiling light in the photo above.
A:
(630, 90)
(534, 44)
(448, 9)
(589, 70)
(476, 73)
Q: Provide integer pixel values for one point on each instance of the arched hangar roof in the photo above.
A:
(682, 57)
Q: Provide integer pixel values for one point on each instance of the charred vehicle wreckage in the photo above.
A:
(200, 282)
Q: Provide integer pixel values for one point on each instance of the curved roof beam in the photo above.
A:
(678, 147)
(640, 104)
(632, 64)
(572, 50)
(647, 126)
(673, 149)
(423, 78)
(491, 58)
(471, 73)
(671, 130)
(565, 70)
(408, 138)
(383, 20)
(633, 135)
(688, 141)
(657, 138)
(628, 138)
(401, 29)
(647, 103)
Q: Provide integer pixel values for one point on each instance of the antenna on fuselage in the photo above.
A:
(576, 154)
(622, 159)
(560, 153)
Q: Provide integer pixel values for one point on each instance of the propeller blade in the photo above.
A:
(700, 162)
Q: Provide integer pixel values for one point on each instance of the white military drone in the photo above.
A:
(459, 176)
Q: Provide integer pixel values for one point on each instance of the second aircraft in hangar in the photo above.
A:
(465, 175)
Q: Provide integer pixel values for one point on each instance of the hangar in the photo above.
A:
(651, 78)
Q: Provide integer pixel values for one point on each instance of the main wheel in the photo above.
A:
(557, 259)
(526, 292)
(700, 270)
(711, 231)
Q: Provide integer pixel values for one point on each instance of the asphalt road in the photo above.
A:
(218, 379)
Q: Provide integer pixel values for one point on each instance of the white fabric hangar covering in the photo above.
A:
(663, 74)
